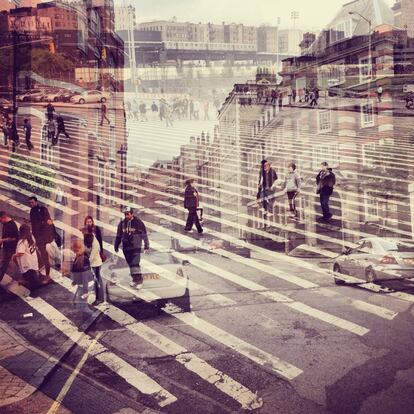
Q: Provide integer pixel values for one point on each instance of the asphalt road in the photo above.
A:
(342, 372)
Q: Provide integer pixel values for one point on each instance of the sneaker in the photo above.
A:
(138, 285)
(133, 284)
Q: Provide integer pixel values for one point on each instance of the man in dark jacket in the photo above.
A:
(8, 241)
(325, 181)
(191, 203)
(267, 187)
(43, 230)
(131, 233)
(60, 129)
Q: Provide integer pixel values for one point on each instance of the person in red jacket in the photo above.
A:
(191, 203)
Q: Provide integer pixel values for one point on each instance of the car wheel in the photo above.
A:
(337, 269)
(55, 99)
(184, 301)
(103, 99)
(81, 101)
(370, 275)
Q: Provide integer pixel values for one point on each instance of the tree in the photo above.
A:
(50, 65)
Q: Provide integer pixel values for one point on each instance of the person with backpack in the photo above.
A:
(292, 187)
(132, 233)
(27, 259)
(267, 187)
(325, 181)
(191, 203)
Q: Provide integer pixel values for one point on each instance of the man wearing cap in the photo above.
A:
(131, 233)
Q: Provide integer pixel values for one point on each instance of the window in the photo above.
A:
(371, 207)
(364, 69)
(367, 115)
(324, 121)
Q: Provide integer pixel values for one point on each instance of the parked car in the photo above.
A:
(5, 105)
(52, 95)
(377, 258)
(171, 287)
(30, 95)
(91, 97)
(66, 96)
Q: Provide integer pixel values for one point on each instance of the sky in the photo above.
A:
(313, 14)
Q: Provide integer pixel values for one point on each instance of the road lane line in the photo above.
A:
(66, 387)
(139, 380)
(251, 352)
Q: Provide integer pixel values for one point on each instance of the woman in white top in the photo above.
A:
(26, 257)
(94, 252)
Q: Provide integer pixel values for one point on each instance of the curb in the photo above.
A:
(50, 364)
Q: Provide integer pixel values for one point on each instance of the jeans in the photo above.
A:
(5, 260)
(99, 284)
(324, 199)
(29, 142)
(133, 258)
(291, 198)
(267, 202)
(192, 219)
(82, 280)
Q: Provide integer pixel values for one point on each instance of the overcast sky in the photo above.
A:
(313, 13)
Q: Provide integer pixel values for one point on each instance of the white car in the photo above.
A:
(168, 286)
(52, 96)
(91, 97)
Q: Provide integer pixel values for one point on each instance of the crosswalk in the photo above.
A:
(298, 289)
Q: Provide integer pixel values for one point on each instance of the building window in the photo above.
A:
(324, 121)
(364, 69)
(367, 115)
(371, 207)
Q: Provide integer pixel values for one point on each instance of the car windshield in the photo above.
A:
(398, 245)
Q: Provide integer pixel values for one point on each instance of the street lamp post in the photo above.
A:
(369, 47)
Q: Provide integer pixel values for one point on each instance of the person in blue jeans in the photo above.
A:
(325, 182)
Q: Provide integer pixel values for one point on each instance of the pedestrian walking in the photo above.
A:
(93, 251)
(273, 95)
(27, 127)
(154, 110)
(313, 100)
(294, 95)
(96, 254)
(143, 111)
(191, 109)
(306, 93)
(5, 131)
(13, 134)
(81, 275)
(168, 115)
(43, 231)
(267, 187)
(379, 93)
(135, 109)
(196, 111)
(191, 203)
(51, 131)
(132, 233)
(280, 101)
(8, 241)
(61, 128)
(325, 181)
(27, 259)
(206, 107)
(291, 185)
(104, 116)
(49, 111)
